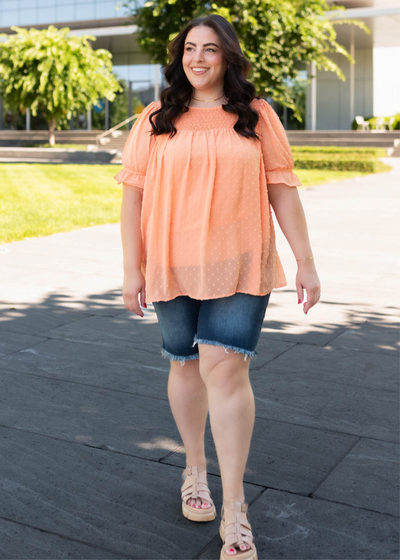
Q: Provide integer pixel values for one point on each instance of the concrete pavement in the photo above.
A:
(91, 459)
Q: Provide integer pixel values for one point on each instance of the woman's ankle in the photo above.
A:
(195, 461)
(234, 497)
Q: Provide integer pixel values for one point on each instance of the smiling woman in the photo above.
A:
(205, 66)
(202, 168)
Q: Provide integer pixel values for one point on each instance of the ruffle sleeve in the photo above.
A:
(277, 156)
(137, 149)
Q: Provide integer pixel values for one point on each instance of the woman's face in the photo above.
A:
(202, 50)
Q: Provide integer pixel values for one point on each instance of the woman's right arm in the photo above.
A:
(134, 281)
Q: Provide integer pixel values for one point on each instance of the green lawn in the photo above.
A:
(63, 146)
(41, 199)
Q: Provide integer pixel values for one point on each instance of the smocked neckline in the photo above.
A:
(208, 108)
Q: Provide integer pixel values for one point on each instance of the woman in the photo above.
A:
(202, 168)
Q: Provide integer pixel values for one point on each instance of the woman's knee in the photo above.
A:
(221, 369)
(185, 368)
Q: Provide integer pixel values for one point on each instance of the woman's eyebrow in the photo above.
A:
(205, 44)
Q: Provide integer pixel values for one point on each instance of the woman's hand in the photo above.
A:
(307, 279)
(134, 284)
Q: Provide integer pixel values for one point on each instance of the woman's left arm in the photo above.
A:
(289, 213)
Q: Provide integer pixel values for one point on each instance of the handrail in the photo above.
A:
(107, 132)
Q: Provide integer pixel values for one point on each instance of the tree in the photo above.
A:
(57, 74)
(277, 36)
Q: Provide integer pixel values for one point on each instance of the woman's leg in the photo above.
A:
(187, 395)
(232, 413)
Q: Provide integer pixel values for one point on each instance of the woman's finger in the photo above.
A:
(313, 295)
(132, 304)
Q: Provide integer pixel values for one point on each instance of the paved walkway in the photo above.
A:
(91, 459)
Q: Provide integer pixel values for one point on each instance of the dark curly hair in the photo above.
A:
(239, 92)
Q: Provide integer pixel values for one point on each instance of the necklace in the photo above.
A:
(208, 100)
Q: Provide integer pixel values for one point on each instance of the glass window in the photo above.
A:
(10, 18)
(106, 10)
(27, 17)
(120, 9)
(47, 15)
(85, 11)
(122, 72)
(44, 3)
(65, 13)
(7, 5)
(27, 4)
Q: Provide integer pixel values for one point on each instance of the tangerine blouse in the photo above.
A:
(206, 221)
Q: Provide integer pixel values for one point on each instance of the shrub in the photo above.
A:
(334, 158)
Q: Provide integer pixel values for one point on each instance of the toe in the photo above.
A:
(231, 551)
(206, 505)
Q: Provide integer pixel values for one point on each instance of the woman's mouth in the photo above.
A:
(198, 71)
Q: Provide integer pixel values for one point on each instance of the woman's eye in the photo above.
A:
(209, 49)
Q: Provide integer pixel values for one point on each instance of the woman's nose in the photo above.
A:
(198, 57)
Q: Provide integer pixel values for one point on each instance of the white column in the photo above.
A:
(352, 52)
(28, 119)
(313, 96)
(156, 83)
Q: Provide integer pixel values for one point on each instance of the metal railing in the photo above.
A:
(102, 139)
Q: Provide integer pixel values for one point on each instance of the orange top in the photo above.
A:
(206, 222)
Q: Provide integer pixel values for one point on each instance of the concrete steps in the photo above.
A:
(16, 138)
(115, 141)
(389, 140)
(58, 155)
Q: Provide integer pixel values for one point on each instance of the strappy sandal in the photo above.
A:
(195, 485)
(235, 530)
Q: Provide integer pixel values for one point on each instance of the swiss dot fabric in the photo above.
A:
(206, 222)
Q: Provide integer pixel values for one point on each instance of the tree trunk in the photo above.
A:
(52, 128)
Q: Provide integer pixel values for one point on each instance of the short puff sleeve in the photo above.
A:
(137, 149)
(277, 156)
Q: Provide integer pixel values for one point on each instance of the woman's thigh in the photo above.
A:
(233, 322)
(178, 323)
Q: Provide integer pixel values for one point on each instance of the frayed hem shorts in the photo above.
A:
(233, 322)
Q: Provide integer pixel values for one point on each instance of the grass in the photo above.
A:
(63, 146)
(42, 199)
(311, 177)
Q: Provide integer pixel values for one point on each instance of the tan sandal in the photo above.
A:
(235, 530)
(195, 485)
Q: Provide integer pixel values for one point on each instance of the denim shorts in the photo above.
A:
(233, 322)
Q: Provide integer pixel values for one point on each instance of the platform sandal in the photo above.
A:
(235, 530)
(195, 485)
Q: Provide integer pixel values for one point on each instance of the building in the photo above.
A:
(105, 19)
(372, 86)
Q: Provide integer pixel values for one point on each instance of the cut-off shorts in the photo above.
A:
(233, 322)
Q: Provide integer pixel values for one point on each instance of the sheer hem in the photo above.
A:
(130, 178)
(283, 176)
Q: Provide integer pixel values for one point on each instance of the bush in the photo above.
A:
(358, 152)
(367, 166)
(333, 158)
